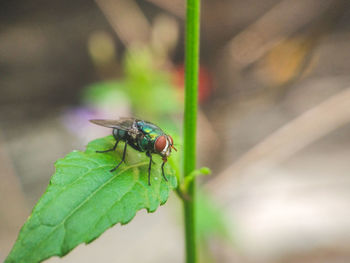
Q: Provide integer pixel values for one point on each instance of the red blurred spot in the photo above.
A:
(205, 82)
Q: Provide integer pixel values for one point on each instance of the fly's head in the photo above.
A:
(163, 145)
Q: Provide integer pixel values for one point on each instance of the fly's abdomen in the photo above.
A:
(119, 134)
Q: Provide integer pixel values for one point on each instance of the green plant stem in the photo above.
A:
(190, 121)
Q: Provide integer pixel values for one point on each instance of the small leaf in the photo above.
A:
(201, 171)
(211, 218)
(84, 199)
(212, 222)
(192, 175)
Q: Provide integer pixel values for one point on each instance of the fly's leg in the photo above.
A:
(123, 158)
(109, 150)
(164, 161)
(149, 167)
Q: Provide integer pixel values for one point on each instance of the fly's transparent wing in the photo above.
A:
(122, 123)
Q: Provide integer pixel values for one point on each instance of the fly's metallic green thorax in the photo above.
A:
(150, 133)
(141, 135)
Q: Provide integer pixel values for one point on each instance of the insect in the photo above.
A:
(141, 135)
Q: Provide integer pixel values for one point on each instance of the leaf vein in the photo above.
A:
(82, 203)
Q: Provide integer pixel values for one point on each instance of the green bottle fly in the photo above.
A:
(141, 135)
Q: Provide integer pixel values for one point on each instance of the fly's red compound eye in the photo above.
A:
(160, 144)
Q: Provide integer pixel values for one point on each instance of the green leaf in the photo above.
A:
(191, 176)
(84, 199)
(151, 90)
(105, 93)
(212, 223)
(211, 218)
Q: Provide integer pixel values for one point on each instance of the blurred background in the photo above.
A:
(274, 119)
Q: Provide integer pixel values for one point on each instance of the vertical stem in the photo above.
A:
(190, 122)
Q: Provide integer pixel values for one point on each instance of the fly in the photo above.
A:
(141, 135)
